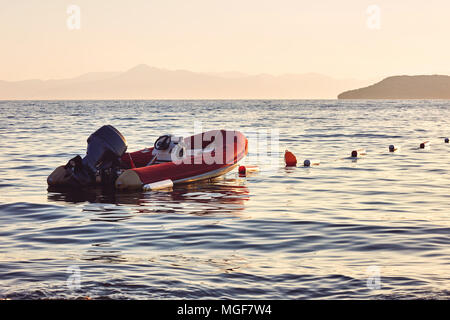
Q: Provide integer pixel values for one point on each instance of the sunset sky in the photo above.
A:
(251, 36)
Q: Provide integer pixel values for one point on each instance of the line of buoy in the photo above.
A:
(291, 160)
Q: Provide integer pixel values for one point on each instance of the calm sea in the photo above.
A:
(377, 227)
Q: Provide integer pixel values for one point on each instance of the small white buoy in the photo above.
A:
(164, 184)
(309, 163)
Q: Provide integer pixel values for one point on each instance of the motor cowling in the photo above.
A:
(99, 166)
(105, 146)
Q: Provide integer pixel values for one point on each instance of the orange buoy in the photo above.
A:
(290, 159)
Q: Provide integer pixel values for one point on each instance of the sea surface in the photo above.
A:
(376, 227)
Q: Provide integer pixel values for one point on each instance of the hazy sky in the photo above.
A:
(253, 36)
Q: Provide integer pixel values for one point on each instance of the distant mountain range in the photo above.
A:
(145, 82)
(404, 87)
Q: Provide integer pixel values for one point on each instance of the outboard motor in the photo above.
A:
(100, 165)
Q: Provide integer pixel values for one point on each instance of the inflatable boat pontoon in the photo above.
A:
(175, 159)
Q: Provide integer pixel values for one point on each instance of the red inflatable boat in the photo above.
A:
(172, 160)
(207, 155)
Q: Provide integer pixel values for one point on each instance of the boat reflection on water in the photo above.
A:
(220, 196)
(92, 195)
(158, 217)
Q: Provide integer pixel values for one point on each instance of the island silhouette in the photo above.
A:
(404, 87)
